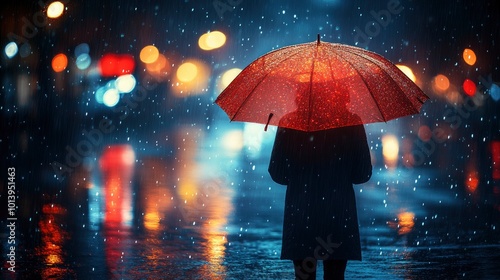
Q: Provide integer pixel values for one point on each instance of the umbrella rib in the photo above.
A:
(375, 62)
(393, 81)
(310, 88)
(366, 84)
(263, 78)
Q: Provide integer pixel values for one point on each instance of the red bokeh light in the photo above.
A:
(116, 65)
(469, 87)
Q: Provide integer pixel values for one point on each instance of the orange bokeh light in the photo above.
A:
(191, 78)
(469, 56)
(441, 83)
(390, 150)
(212, 40)
(160, 68)
(59, 62)
(149, 54)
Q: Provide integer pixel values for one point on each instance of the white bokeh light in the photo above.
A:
(111, 97)
(83, 61)
(11, 49)
(125, 83)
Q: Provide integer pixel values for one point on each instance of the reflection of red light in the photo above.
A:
(116, 65)
(116, 164)
(471, 182)
(53, 236)
(53, 209)
(469, 87)
(495, 158)
(404, 224)
(496, 190)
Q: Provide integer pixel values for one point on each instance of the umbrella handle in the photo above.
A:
(268, 120)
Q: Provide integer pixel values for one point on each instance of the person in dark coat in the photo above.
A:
(320, 219)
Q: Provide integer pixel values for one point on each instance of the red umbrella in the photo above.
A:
(320, 85)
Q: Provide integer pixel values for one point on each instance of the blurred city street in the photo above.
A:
(117, 164)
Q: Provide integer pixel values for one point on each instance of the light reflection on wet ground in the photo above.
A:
(200, 220)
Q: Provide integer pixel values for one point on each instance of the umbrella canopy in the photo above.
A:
(320, 85)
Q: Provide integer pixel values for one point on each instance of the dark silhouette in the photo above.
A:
(319, 169)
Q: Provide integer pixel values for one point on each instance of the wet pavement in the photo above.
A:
(220, 217)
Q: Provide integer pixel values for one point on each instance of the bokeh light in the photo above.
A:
(495, 92)
(469, 87)
(11, 49)
(441, 83)
(472, 180)
(83, 61)
(59, 62)
(253, 137)
(115, 65)
(408, 72)
(211, 40)
(233, 141)
(229, 76)
(390, 150)
(469, 56)
(82, 48)
(191, 78)
(149, 54)
(125, 83)
(111, 97)
(160, 68)
(99, 94)
(187, 72)
(55, 9)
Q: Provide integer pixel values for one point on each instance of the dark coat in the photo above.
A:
(319, 169)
